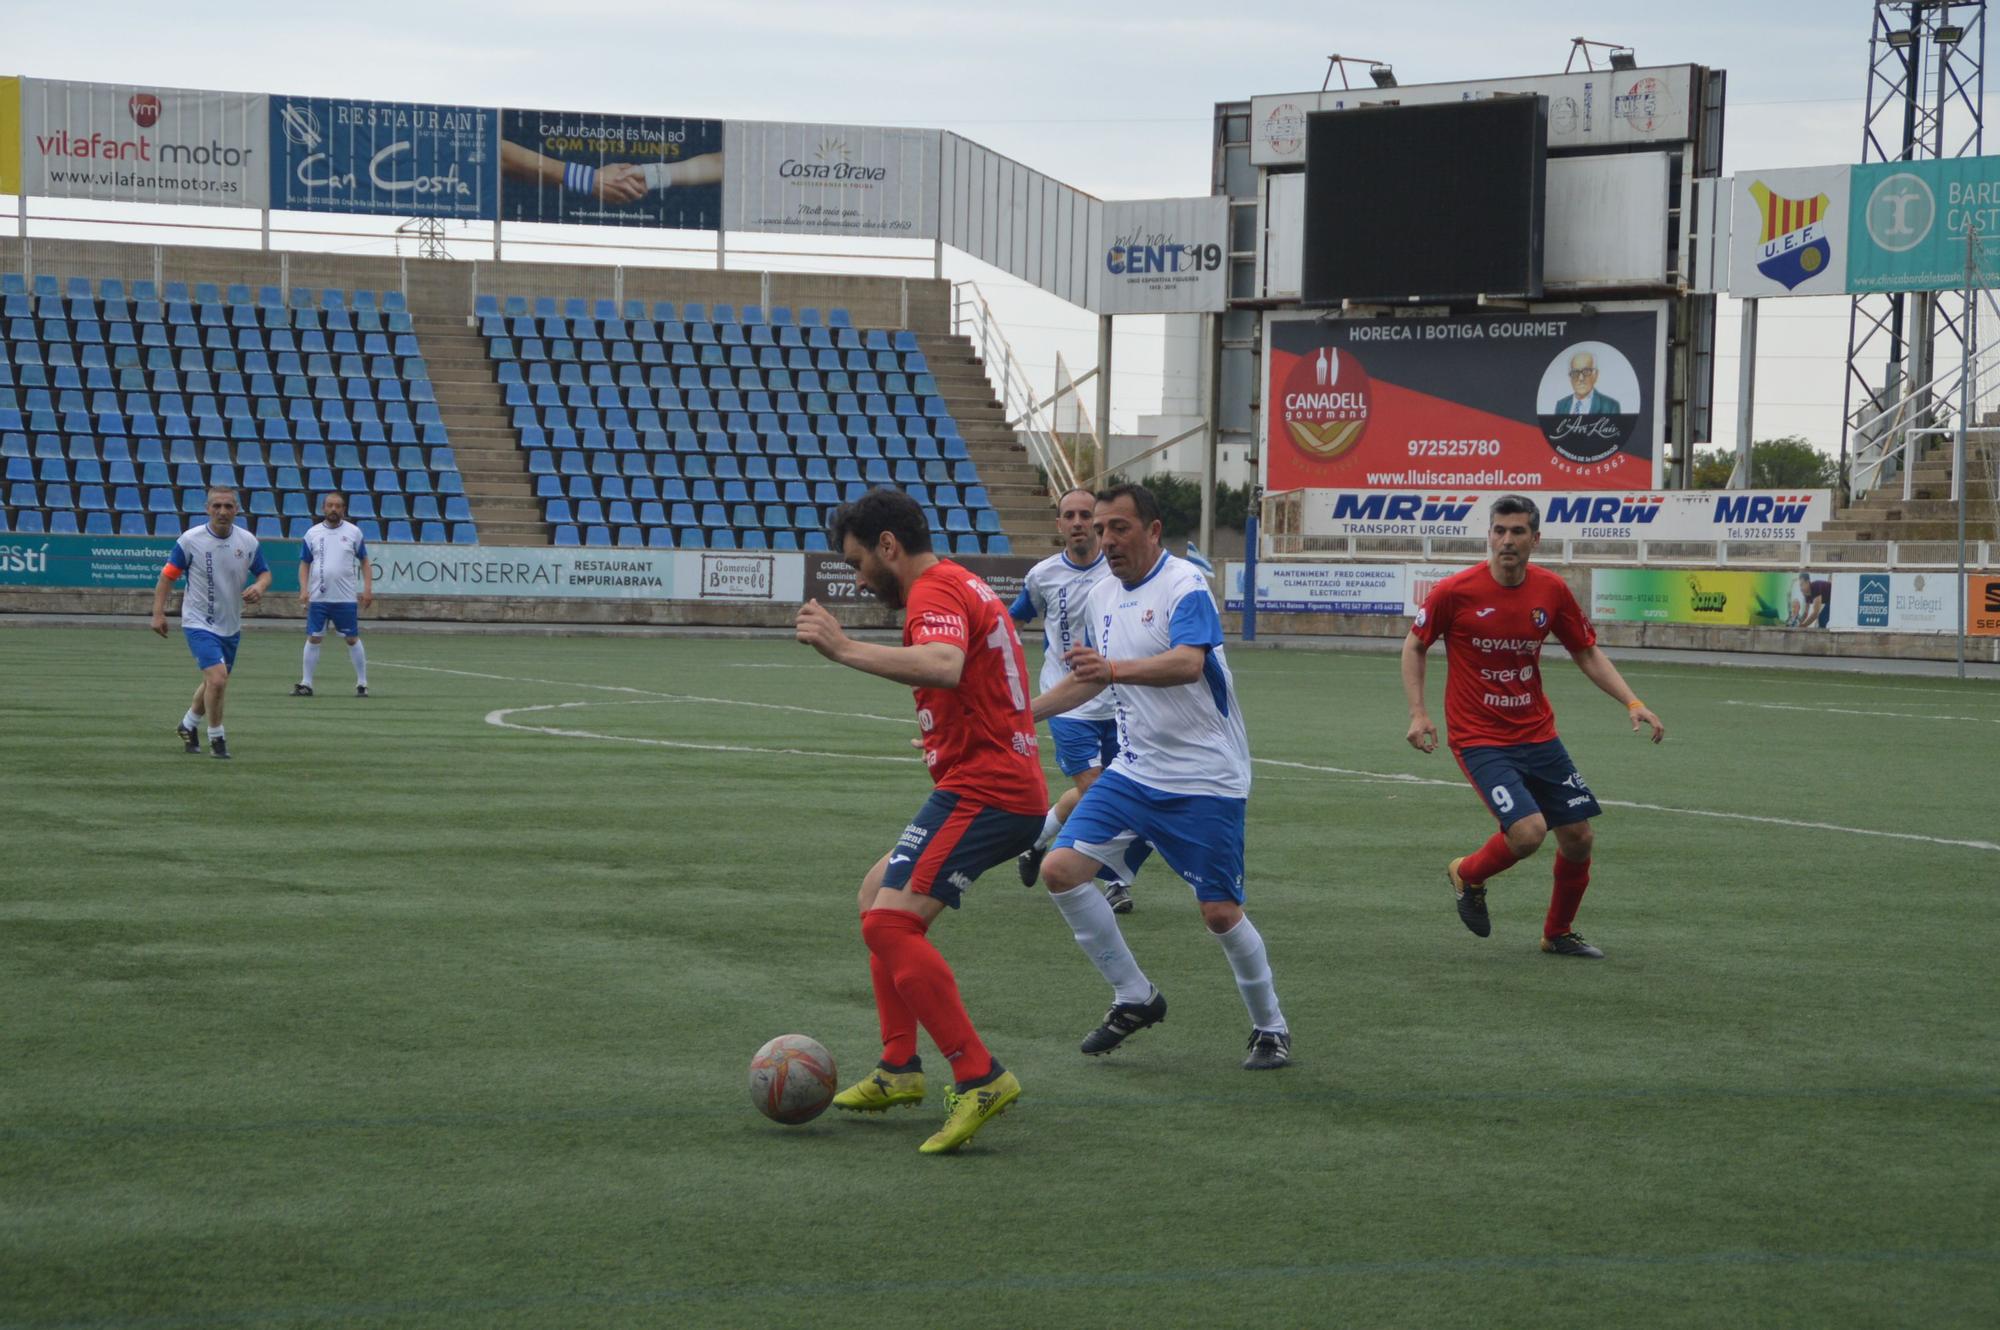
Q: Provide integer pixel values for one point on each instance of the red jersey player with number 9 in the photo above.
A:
(961, 655)
(1493, 620)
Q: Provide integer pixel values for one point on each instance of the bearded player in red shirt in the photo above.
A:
(1493, 620)
(961, 655)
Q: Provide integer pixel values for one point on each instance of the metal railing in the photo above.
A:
(1893, 438)
(1026, 414)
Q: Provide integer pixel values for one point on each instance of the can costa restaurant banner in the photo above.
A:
(406, 159)
(1490, 401)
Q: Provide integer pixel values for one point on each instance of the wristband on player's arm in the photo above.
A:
(1635, 705)
(578, 178)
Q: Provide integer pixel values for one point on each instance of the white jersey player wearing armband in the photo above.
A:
(218, 559)
(333, 562)
(1181, 780)
(1054, 591)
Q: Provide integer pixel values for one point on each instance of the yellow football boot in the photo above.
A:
(881, 1090)
(970, 1111)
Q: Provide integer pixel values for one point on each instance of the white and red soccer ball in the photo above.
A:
(792, 1079)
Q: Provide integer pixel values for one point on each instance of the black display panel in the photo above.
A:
(1425, 203)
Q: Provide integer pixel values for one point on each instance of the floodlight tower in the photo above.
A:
(1926, 80)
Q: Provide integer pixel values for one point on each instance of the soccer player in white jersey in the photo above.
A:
(333, 559)
(218, 558)
(1086, 738)
(1181, 780)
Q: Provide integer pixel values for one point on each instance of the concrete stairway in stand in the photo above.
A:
(497, 484)
(1929, 515)
(1006, 468)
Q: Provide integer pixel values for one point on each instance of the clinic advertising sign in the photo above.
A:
(1912, 225)
(405, 159)
(128, 143)
(610, 170)
(831, 180)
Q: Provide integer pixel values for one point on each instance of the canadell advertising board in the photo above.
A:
(1521, 401)
(831, 180)
(1464, 514)
(128, 143)
(406, 159)
(610, 170)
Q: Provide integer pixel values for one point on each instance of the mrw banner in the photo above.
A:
(610, 170)
(134, 143)
(404, 159)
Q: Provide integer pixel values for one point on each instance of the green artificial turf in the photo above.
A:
(405, 1018)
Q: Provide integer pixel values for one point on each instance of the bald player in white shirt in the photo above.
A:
(218, 558)
(1181, 780)
(335, 584)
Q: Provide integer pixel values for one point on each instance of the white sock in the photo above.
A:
(190, 720)
(1051, 824)
(312, 663)
(1244, 946)
(1096, 930)
(359, 656)
(215, 732)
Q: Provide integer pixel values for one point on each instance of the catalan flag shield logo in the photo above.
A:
(1793, 246)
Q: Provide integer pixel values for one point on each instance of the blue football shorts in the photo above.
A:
(1083, 744)
(1119, 822)
(1520, 779)
(342, 614)
(210, 649)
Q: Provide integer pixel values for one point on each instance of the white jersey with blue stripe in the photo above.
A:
(1055, 591)
(217, 568)
(335, 554)
(1189, 738)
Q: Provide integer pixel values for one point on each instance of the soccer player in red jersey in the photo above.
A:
(961, 655)
(1493, 620)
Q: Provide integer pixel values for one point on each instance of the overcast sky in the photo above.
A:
(1114, 99)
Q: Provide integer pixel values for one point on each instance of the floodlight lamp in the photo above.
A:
(1623, 58)
(1384, 75)
(1901, 39)
(1948, 34)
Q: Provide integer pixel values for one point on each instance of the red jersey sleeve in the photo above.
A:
(1571, 627)
(1434, 619)
(935, 614)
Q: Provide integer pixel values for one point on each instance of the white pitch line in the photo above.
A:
(1962, 694)
(1848, 711)
(1400, 778)
(499, 718)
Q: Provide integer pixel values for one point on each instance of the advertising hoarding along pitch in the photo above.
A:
(831, 180)
(128, 563)
(1463, 514)
(129, 143)
(610, 170)
(1523, 401)
(1889, 602)
(1320, 588)
(1164, 256)
(1660, 595)
(587, 574)
(406, 159)
(1982, 608)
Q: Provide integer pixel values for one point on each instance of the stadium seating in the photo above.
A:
(697, 426)
(120, 406)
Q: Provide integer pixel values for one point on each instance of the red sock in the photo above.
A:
(926, 985)
(1572, 880)
(899, 1027)
(1494, 857)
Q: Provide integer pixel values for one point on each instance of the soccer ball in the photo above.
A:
(792, 1079)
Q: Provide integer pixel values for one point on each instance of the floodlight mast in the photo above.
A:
(1926, 85)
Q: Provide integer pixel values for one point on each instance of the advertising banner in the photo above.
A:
(1321, 588)
(1660, 595)
(1164, 256)
(586, 574)
(831, 582)
(1982, 617)
(1789, 232)
(1909, 224)
(10, 134)
(104, 561)
(406, 159)
(1595, 109)
(1689, 515)
(128, 143)
(610, 170)
(1421, 578)
(1523, 401)
(831, 180)
(1888, 602)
